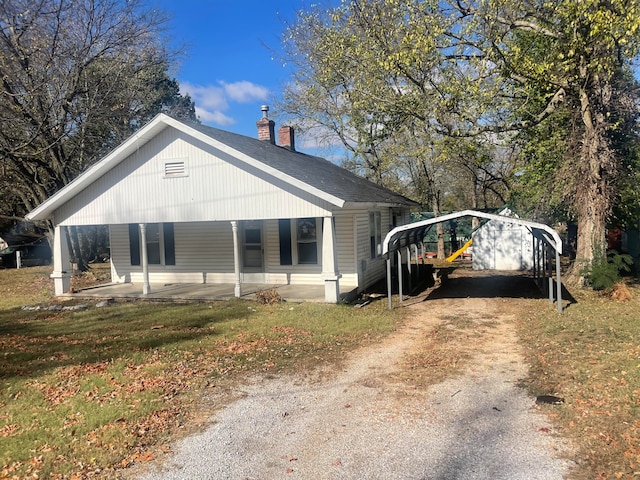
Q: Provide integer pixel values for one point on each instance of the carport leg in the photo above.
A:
(550, 275)
(389, 281)
(558, 282)
(399, 276)
(535, 263)
(409, 269)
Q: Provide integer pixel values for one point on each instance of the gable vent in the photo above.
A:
(175, 169)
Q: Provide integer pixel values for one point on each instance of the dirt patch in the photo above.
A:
(437, 399)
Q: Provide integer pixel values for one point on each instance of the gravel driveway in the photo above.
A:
(362, 422)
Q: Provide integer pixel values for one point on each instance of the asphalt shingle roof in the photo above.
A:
(314, 171)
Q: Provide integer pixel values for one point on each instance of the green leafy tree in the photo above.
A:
(494, 67)
(576, 52)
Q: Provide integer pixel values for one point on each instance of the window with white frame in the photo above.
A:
(375, 233)
(307, 241)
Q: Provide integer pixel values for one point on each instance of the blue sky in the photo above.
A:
(230, 65)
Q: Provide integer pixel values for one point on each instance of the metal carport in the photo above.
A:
(411, 235)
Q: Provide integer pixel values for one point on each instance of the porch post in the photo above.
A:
(330, 272)
(236, 259)
(61, 262)
(146, 287)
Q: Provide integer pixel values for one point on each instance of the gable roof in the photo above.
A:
(315, 175)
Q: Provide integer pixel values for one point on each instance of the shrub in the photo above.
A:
(605, 271)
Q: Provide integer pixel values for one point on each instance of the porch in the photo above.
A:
(204, 291)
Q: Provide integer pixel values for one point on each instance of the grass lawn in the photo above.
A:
(83, 393)
(590, 355)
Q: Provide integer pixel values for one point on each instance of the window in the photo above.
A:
(375, 233)
(298, 241)
(307, 241)
(160, 244)
(153, 244)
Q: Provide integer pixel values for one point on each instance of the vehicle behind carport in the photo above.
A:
(30, 255)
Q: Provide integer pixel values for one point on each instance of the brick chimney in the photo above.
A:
(266, 127)
(286, 137)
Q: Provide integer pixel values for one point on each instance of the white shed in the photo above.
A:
(502, 245)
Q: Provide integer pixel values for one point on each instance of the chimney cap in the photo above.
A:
(265, 110)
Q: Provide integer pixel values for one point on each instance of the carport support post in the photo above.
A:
(236, 260)
(146, 287)
(558, 281)
(535, 263)
(550, 265)
(400, 276)
(389, 281)
(61, 262)
(409, 269)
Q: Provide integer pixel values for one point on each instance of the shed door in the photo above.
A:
(252, 246)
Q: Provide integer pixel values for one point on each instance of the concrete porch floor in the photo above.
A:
(201, 291)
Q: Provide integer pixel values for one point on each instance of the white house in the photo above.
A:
(502, 245)
(187, 203)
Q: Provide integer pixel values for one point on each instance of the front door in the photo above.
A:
(252, 246)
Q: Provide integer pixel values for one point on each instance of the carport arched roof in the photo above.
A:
(413, 233)
(401, 236)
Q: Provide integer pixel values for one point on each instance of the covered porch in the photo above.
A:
(233, 259)
(202, 292)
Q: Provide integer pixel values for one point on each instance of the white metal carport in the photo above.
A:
(411, 235)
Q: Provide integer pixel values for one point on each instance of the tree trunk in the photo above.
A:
(596, 170)
(439, 227)
(76, 250)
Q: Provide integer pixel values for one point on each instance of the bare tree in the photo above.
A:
(77, 77)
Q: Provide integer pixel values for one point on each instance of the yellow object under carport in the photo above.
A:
(458, 252)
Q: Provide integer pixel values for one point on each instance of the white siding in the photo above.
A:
(370, 270)
(345, 250)
(289, 274)
(204, 254)
(215, 187)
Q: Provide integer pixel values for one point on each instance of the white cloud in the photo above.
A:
(212, 101)
(245, 92)
(214, 116)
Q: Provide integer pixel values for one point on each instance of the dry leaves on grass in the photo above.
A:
(620, 292)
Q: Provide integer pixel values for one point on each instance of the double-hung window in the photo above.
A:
(375, 233)
(298, 241)
(307, 241)
(160, 244)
